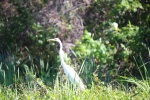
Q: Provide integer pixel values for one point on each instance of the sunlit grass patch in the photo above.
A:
(63, 92)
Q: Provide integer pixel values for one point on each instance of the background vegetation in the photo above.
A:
(112, 61)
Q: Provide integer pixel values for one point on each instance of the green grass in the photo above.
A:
(62, 91)
(35, 89)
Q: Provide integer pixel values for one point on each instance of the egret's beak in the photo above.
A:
(51, 40)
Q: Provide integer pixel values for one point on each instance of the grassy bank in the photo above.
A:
(62, 91)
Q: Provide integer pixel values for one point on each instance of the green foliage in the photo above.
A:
(62, 91)
(123, 44)
(15, 26)
(113, 53)
(127, 5)
(25, 40)
(87, 46)
(7, 70)
(142, 86)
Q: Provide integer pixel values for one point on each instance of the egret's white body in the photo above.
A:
(69, 71)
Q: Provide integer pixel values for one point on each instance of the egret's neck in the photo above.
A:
(61, 53)
(60, 44)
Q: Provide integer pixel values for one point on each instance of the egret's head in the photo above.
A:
(55, 39)
(58, 40)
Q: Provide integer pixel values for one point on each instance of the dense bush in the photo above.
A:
(116, 51)
(24, 43)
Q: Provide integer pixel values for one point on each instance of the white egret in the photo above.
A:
(70, 72)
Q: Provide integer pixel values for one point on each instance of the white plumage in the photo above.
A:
(69, 71)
